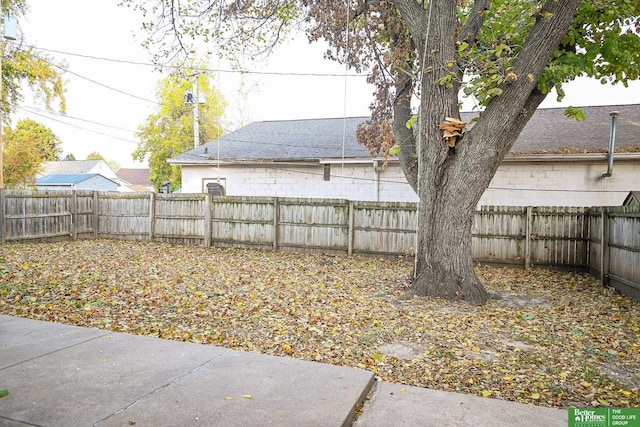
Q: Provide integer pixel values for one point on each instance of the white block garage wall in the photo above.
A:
(552, 180)
(353, 182)
(565, 181)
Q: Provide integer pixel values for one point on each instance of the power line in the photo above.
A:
(37, 110)
(32, 111)
(229, 71)
(67, 70)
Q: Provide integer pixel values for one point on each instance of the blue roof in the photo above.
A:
(65, 179)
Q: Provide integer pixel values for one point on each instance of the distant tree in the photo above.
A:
(111, 163)
(24, 67)
(69, 157)
(169, 131)
(25, 149)
(95, 156)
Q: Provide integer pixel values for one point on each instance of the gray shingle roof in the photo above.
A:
(548, 129)
(285, 140)
(69, 167)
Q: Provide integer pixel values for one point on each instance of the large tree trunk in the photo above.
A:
(445, 267)
(449, 182)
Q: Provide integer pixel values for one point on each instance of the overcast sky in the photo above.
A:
(109, 92)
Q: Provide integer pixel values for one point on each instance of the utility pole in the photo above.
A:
(193, 99)
(9, 33)
(196, 124)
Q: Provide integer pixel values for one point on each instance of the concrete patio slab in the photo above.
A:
(117, 379)
(60, 375)
(82, 384)
(399, 405)
(247, 389)
(23, 340)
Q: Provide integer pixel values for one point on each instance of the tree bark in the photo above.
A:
(450, 182)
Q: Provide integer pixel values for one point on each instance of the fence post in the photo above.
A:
(276, 212)
(96, 215)
(207, 220)
(152, 215)
(74, 215)
(350, 228)
(604, 248)
(527, 238)
(3, 223)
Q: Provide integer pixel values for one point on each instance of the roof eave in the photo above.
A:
(593, 157)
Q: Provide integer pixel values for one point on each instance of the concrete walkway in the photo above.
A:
(60, 375)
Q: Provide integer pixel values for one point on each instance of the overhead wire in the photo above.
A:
(35, 112)
(221, 70)
(345, 75)
(344, 94)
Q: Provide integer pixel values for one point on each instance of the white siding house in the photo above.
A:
(556, 161)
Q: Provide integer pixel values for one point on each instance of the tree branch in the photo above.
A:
(413, 15)
(405, 137)
(472, 27)
(528, 66)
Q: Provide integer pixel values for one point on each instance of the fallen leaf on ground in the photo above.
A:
(548, 338)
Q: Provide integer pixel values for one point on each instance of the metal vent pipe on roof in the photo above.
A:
(612, 143)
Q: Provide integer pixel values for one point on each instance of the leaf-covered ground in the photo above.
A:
(547, 338)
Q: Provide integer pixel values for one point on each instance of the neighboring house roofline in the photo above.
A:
(548, 132)
(509, 158)
(595, 157)
(72, 179)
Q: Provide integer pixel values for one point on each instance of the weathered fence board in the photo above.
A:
(313, 224)
(243, 221)
(559, 236)
(605, 241)
(499, 234)
(36, 215)
(123, 216)
(385, 229)
(624, 252)
(179, 218)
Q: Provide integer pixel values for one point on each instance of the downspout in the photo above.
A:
(612, 143)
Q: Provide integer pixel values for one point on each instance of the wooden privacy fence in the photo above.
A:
(565, 237)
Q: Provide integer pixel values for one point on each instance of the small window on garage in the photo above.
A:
(327, 172)
(215, 189)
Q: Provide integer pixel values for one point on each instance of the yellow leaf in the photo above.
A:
(228, 398)
(535, 395)
(247, 396)
(402, 390)
(486, 393)
(476, 349)
(470, 380)
(287, 348)
(507, 378)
